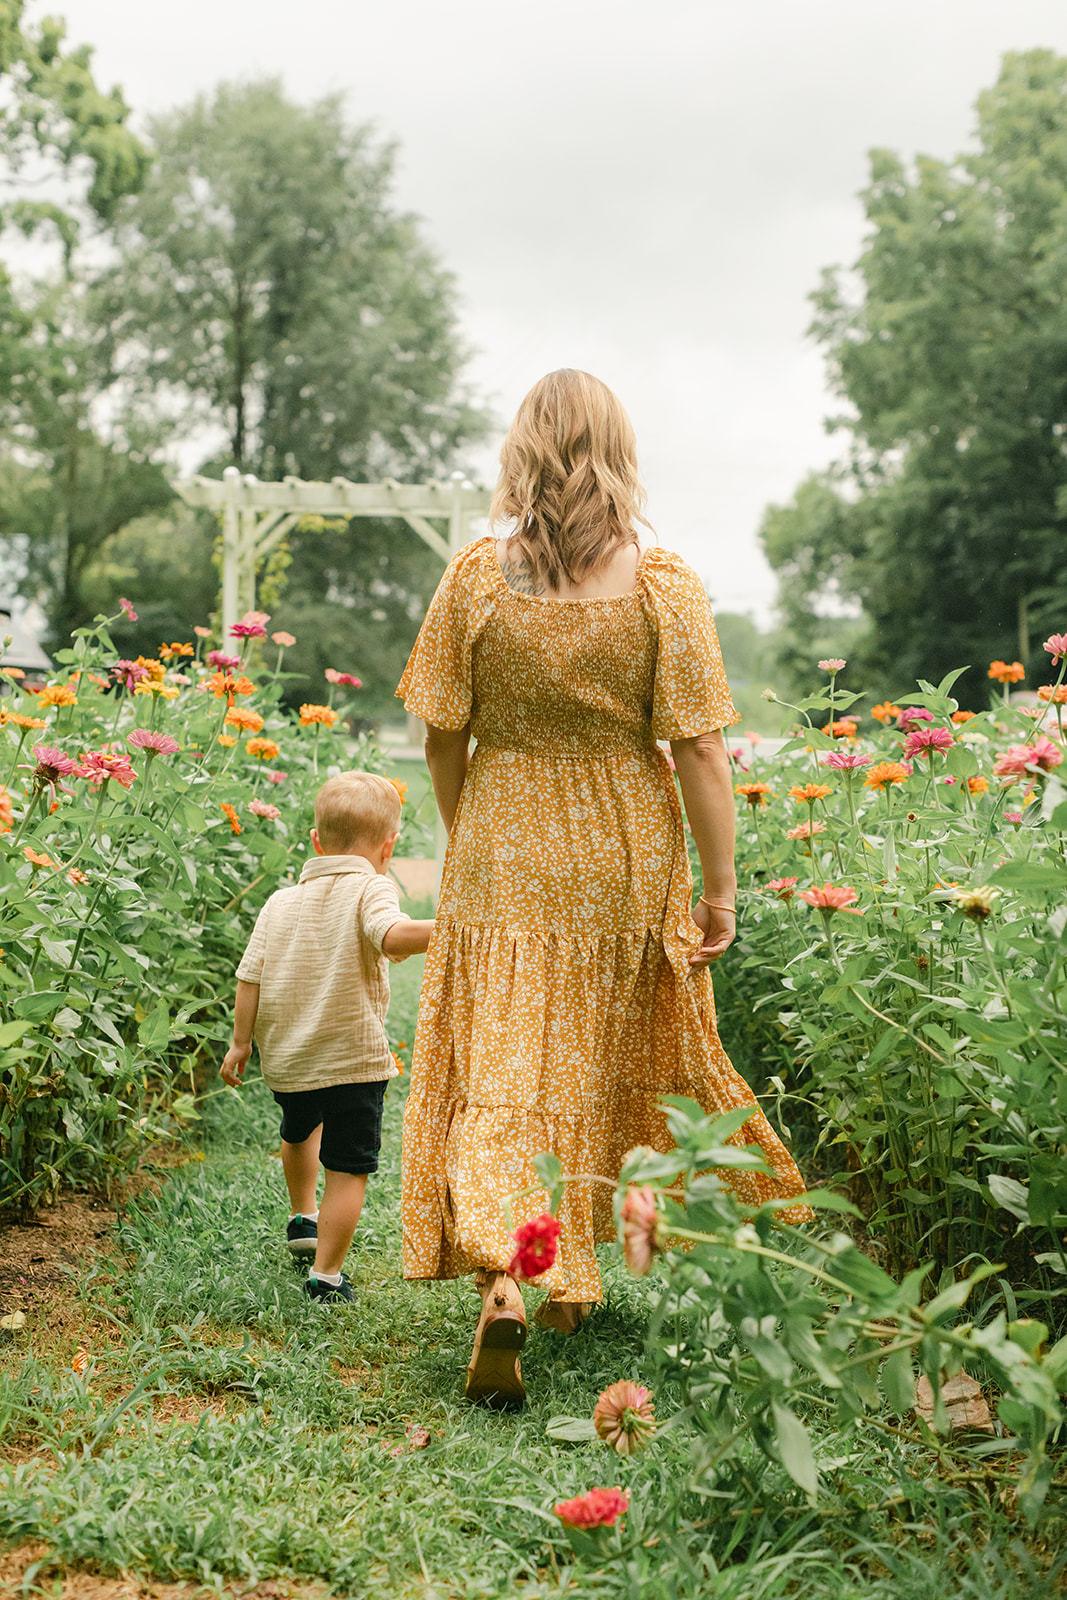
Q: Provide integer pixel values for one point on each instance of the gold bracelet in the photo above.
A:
(715, 905)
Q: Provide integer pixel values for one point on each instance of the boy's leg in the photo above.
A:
(300, 1163)
(342, 1202)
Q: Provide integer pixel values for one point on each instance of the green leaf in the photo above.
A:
(952, 1298)
(571, 1430)
(794, 1448)
(863, 1276)
(1019, 874)
(898, 1382)
(961, 761)
(40, 1004)
(825, 1200)
(1010, 1194)
(154, 1031)
(12, 1032)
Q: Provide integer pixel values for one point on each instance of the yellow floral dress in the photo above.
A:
(558, 1004)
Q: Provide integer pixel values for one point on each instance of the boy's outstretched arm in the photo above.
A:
(244, 1021)
(407, 938)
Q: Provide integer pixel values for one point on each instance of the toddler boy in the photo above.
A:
(313, 989)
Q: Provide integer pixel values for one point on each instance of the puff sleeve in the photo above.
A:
(436, 684)
(691, 695)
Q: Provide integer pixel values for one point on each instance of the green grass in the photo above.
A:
(228, 1431)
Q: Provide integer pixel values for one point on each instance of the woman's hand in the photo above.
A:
(718, 929)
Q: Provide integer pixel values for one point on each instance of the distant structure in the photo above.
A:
(24, 651)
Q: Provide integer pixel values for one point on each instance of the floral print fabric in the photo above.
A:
(558, 1004)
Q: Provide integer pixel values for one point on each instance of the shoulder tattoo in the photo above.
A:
(517, 576)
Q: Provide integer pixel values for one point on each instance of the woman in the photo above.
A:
(566, 986)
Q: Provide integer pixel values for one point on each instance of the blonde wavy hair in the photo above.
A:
(568, 478)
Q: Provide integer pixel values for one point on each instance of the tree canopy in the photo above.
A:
(947, 342)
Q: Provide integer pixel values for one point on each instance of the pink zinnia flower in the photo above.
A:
(782, 887)
(343, 677)
(924, 741)
(536, 1243)
(911, 716)
(97, 766)
(127, 608)
(600, 1508)
(834, 664)
(1014, 817)
(640, 1229)
(1056, 645)
(54, 763)
(219, 658)
(844, 761)
(623, 1417)
(1046, 754)
(202, 633)
(248, 630)
(754, 738)
(263, 808)
(155, 744)
(129, 673)
(283, 640)
(831, 898)
(276, 777)
(804, 830)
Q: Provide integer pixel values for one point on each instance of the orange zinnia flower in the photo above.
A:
(263, 749)
(962, 716)
(310, 714)
(978, 785)
(808, 793)
(225, 684)
(168, 652)
(231, 817)
(228, 740)
(755, 793)
(40, 861)
(155, 669)
(886, 712)
(884, 773)
(26, 722)
(1007, 672)
(401, 789)
(845, 729)
(1056, 694)
(241, 717)
(6, 813)
(57, 694)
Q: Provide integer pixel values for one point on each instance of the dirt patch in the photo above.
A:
(39, 1260)
(83, 1584)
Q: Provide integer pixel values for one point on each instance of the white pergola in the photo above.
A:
(257, 516)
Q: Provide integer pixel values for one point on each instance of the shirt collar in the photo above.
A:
(327, 866)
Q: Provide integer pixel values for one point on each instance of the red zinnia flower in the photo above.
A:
(97, 766)
(600, 1508)
(782, 887)
(536, 1244)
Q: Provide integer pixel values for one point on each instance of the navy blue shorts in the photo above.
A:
(350, 1115)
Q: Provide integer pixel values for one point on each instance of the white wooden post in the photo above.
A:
(231, 555)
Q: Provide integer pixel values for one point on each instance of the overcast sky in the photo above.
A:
(645, 188)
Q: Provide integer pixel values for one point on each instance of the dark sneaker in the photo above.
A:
(316, 1289)
(303, 1235)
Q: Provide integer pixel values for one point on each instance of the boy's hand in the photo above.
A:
(233, 1064)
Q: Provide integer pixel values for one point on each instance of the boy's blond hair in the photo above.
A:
(356, 808)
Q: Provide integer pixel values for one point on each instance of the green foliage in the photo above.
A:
(921, 1043)
(947, 345)
(123, 912)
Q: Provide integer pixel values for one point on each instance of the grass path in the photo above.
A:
(226, 1432)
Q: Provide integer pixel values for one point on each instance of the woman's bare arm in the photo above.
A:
(703, 768)
(448, 757)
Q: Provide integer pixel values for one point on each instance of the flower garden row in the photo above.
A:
(147, 808)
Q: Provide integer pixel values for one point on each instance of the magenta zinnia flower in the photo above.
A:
(623, 1417)
(53, 764)
(129, 673)
(219, 658)
(911, 716)
(343, 677)
(844, 761)
(924, 741)
(155, 744)
(1056, 645)
(248, 630)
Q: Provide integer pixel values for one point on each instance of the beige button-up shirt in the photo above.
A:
(316, 954)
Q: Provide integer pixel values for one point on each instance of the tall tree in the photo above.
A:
(267, 282)
(948, 342)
